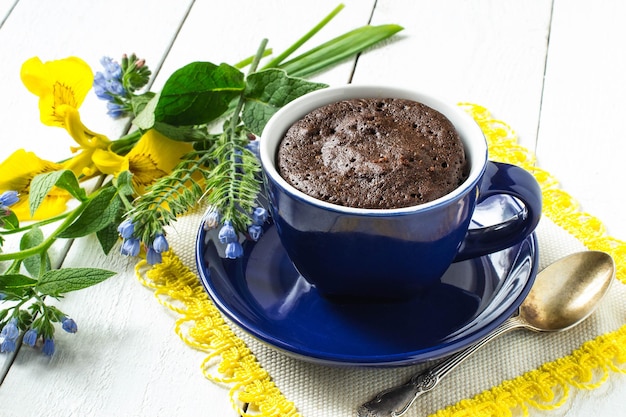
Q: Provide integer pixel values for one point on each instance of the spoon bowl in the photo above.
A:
(563, 295)
(567, 291)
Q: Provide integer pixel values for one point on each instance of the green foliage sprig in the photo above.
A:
(223, 170)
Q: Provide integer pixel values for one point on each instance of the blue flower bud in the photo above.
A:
(30, 337)
(69, 325)
(10, 330)
(48, 346)
(255, 231)
(130, 247)
(227, 233)
(211, 219)
(259, 215)
(7, 345)
(153, 257)
(9, 335)
(160, 244)
(111, 67)
(115, 110)
(126, 229)
(8, 198)
(100, 87)
(234, 250)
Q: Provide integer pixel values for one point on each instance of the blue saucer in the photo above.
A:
(264, 295)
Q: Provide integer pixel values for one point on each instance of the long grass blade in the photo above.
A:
(280, 58)
(337, 49)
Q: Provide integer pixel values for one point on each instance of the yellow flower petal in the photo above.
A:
(57, 83)
(16, 174)
(52, 205)
(18, 170)
(109, 162)
(154, 156)
(88, 141)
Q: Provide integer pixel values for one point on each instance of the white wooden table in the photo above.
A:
(555, 70)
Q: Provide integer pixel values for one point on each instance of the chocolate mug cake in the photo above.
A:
(373, 153)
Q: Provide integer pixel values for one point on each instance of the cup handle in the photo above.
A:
(500, 178)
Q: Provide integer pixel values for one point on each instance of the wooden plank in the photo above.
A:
(5, 9)
(125, 359)
(581, 137)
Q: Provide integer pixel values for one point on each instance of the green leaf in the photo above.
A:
(99, 212)
(10, 221)
(43, 183)
(61, 281)
(108, 237)
(179, 133)
(145, 119)
(30, 239)
(16, 285)
(124, 183)
(198, 93)
(269, 90)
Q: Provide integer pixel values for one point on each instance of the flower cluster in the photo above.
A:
(38, 332)
(131, 245)
(227, 234)
(117, 83)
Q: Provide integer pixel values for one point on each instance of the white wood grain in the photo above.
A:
(125, 359)
(581, 137)
(243, 24)
(5, 9)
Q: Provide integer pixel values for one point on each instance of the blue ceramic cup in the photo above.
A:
(392, 253)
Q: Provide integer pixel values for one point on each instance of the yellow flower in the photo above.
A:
(58, 84)
(17, 172)
(154, 156)
(61, 86)
(88, 141)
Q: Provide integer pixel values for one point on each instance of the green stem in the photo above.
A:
(45, 245)
(245, 62)
(126, 143)
(38, 224)
(280, 58)
(234, 121)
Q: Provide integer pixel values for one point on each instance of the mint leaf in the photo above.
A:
(108, 237)
(16, 285)
(269, 90)
(30, 239)
(43, 183)
(61, 281)
(198, 93)
(99, 212)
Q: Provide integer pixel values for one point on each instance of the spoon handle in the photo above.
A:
(395, 401)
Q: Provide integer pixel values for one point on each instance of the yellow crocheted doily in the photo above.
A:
(229, 361)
